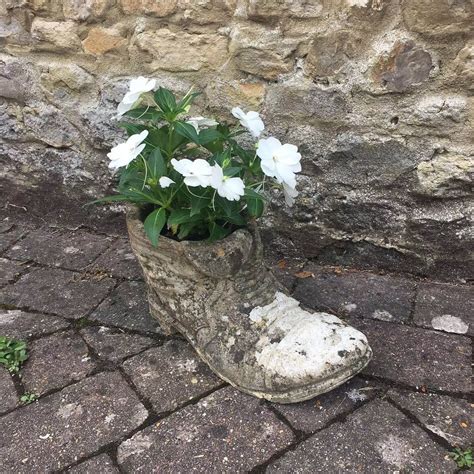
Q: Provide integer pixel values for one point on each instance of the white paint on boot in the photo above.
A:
(304, 346)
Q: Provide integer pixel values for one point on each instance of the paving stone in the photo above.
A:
(9, 270)
(120, 261)
(376, 438)
(451, 418)
(437, 304)
(360, 294)
(20, 325)
(55, 361)
(69, 425)
(418, 357)
(60, 248)
(114, 345)
(8, 395)
(170, 375)
(127, 307)
(57, 291)
(101, 464)
(314, 414)
(225, 432)
(10, 233)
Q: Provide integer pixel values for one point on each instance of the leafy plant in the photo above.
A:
(12, 353)
(191, 176)
(28, 397)
(463, 458)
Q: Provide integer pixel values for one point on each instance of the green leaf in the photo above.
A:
(180, 216)
(132, 128)
(199, 203)
(232, 170)
(166, 100)
(254, 202)
(153, 225)
(113, 198)
(208, 135)
(143, 113)
(187, 100)
(185, 229)
(156, 164)
(186, 130)
(216, 232)
(235, 218)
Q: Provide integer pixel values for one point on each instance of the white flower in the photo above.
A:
(250, 120)
(196, 173)
(137, 87)
(227, 187)
(200, 122)
(165, 182)
(279, 161)
(123, 154)
(290, 194)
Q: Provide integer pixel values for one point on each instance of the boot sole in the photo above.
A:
(302, 393)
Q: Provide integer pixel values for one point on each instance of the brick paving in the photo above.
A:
(116, 395)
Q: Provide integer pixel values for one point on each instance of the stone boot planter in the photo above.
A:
(229, 306)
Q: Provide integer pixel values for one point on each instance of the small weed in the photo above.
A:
(28, 397)
(12, 353)
(463, 458)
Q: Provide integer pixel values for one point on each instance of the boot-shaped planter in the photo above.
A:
(238, 318)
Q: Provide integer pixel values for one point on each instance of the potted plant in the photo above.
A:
(196, 193)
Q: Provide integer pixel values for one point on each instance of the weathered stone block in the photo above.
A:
(86, 9)
(375, 438)
(438, 17)
(49, 125)
(180, 52)
(444, 307)
(55, 36)
(448, 417)
(360, 162)
(98, 464)
(9, 234)
(20, 325)
(10, 270)
(330, 52)
(247, 95)
(72, 76)
(405, 65)
(69, 249)
(8, 395)
(115, 345)
(464, 66)
(68, 425)
(127, 307)
(446, 175)
(205, 12)
(312, 415)
(262, 51)
(159, 8)
(55, 361)
(417, 357)
(170, 375)
(301, 101)
(102, 40)
(57, 291)
(226, 429)
(361, 294)
(119, 261)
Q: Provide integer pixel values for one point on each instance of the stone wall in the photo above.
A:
(374, 92)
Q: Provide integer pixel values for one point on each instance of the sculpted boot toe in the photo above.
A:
(238, 318)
